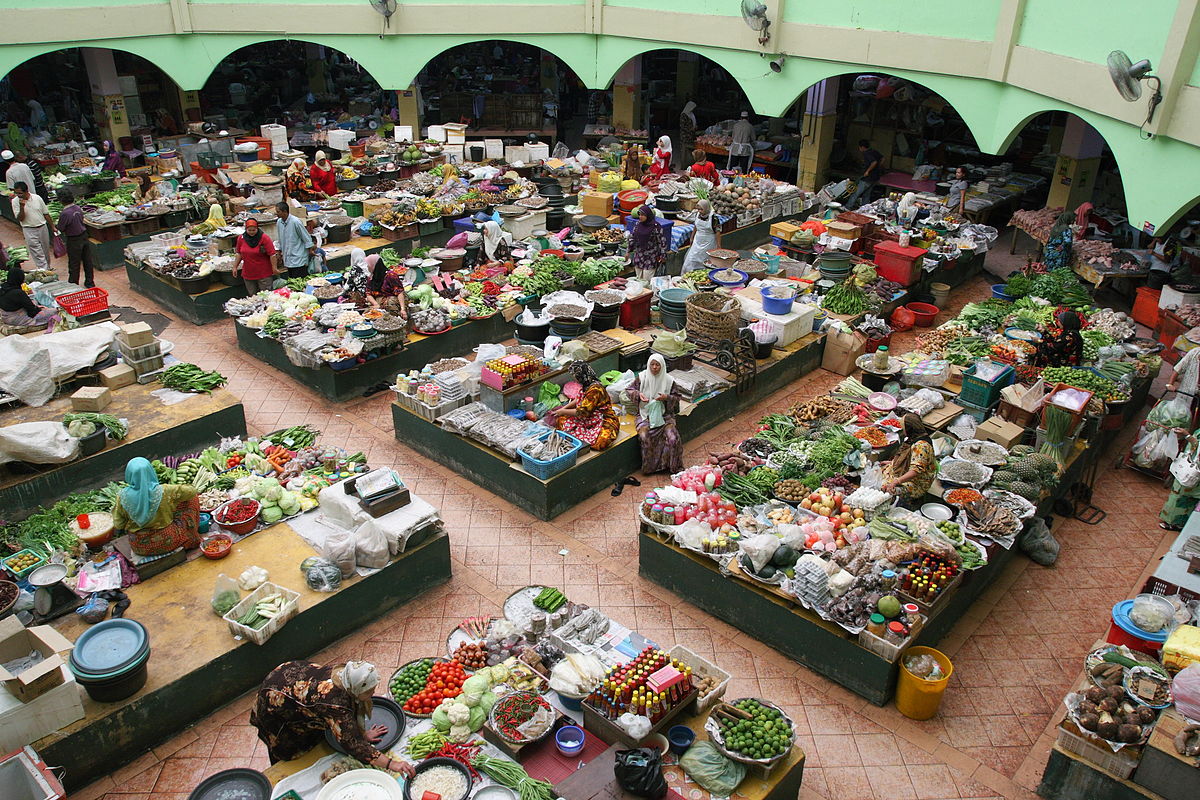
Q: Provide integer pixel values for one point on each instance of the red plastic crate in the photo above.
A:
(899, 264)
(82, 303)
(1145, 306)
(635, 313)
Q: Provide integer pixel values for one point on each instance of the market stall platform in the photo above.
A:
(198, 309)
(196, 665)
(594, 471)
(798, 633)
(341, 385)
(155, 430)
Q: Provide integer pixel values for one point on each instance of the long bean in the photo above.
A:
(514, 776)
(190, 378)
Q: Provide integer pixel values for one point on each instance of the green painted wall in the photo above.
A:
(1081, 29)
(972, 19)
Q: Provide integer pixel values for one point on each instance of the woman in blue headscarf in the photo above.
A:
(157, 518)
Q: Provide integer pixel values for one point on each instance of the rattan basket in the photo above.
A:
(712, 315)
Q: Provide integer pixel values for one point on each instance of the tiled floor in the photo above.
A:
(1015, 654)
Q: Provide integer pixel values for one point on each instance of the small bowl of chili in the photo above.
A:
(216, 546)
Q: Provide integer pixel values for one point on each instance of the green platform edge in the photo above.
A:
(117, 739)
(198, 309)
(1069, 777)
(547, 499)
(22, 499)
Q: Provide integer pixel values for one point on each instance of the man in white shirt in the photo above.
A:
(18, 171)
(34, 219)
(741, 149)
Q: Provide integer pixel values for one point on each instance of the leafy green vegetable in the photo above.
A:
(116, 429)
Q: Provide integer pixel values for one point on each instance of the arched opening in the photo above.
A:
(290, 82)
(89, 94)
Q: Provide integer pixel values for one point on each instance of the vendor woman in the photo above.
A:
(386, 288)
(157, 518)
(658, 401)
(909, 474)
(324, 175)
(590, 418)
(299, 185)
(1062, 347)
(299, 701)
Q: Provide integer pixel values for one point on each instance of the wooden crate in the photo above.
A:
(608, 730)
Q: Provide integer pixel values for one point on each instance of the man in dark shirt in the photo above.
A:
(872, 170)
(80, 249)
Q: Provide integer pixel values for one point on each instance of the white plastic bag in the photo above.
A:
(692, 533)
(370, 547)
(483, 354)
(37, 443)
(637, 727)
(872, 477)
(760, 548)
(339, 548)
(1186, 691)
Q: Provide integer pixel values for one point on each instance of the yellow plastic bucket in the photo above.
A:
(918, 698)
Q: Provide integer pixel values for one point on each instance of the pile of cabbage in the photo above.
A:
(277, 502)
(459, 717)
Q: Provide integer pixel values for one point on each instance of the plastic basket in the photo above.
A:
(887, 650)
(980, 392)
(704, 669)
(545, 470)
(291, 608)
(84, 302)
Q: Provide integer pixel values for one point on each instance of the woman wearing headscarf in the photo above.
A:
(147, 189)
(590, 418)
(1062, 347)
(658, 401)
(662, 157)
(255, 262)
(17, 308)
(703, 168)
(1057, 252)
(386, 288)
(647, 245)
(910, 472)
(496, 242)
(687, 128)
(157, 518)
(324, 175)
(706, 238)
(299, 186)
(299, 701)
(112, 159)
(358, 276)
(215, 220)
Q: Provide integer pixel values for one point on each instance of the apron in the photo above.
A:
(705, 240)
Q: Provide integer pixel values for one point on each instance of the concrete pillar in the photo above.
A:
(627, 96)
(1078, 165)
(408, 108)
(108, 103)
(687, 76)
(817, 124)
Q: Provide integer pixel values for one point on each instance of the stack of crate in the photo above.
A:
(141, 350)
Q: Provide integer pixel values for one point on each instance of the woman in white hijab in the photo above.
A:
(297, 182)
(496, 242)
(658, 400)
(906, 209)
(358, 275)
(299, 702)
(662, 157)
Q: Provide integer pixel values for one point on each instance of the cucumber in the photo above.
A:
(1113, 657)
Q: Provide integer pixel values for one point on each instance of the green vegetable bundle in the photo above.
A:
(190, 378)
(845, 298)
(593, 271)
(116, 429)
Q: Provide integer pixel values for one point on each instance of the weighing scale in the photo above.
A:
(51, 599)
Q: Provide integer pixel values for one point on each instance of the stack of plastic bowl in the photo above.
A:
(835, 265)
(109, 659)
(671, 305)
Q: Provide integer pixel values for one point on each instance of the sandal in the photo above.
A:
(618, 487)
(632, 481)
(1167, 527)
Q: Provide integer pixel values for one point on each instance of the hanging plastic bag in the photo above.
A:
(708, 767)
(1173, 413)
(225, 595)
(639, 772)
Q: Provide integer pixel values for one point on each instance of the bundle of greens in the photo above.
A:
(81, 419)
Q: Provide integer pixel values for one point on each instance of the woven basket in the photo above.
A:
(705, 316)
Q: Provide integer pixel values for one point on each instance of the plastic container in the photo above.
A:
(239, 528)
(437, 762)
(999, 293)
(918, 698)
(681, 738)
(924, 313)
(240, 782)
(545, 470)
(940, 292)
(571, 702)
(980, 392)
(1145, 306)
(570, 739)
(291, 607)
(772, 304)
(82, 303)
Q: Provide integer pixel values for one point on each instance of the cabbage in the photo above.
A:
(486, 701)
(440, 720)
(271, 514)
(478, 717)
(486, 674)
(289, 503)
(476, 685)
(80, 428)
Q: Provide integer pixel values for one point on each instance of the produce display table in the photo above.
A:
(155, 430)
(198, 309)
(196, 665)
(904, 182)
(594, 471)
(341, 385)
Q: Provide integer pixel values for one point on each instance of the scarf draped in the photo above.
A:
(358, 276)
(359, 678)
(144, 494)
(255, 239)
(492, 237)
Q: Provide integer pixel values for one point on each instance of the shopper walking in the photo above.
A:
(296, 247)
(647, 245)
(255, 262)
(80, 250)
(741, 146)
(872, 171)
(34, 218)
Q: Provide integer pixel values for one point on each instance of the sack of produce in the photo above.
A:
(639, 772)
(1038, 543)
(339, 548)
(1186, 690)
(1173, 413)
(225, 595)
(321, 574)
(716, 774)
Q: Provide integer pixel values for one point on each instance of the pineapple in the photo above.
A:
(1003, 478)
(1020, 450)
(1026, 470)
(1027, 490)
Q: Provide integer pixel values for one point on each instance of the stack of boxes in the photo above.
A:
(140, 351)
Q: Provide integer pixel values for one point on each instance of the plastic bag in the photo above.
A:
(636, 726)
(760, 548)
(716, 774)
(1173, 413)
(1157, 446)
(225, 595)
(902, 319)
(692, 533)
(924, 666)
(1186, 690)
(639, 772)
(371, 548)
(339, 548)
(1038, 543)
(483, 354)
(321, 574)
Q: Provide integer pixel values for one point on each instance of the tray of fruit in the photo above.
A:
(751, 731)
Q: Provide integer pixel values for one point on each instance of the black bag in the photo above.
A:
(639, 772)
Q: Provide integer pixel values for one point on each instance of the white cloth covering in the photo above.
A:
(28, 366)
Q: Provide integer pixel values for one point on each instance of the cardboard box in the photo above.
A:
(598, 203)
(117, 376)
(785, 230)
(843, 230)
(136, 334)
(1162, 769)
(15, 641)
(24, 723)
(1000, 431)
(456, 132)
(91, 398)
(842, 349)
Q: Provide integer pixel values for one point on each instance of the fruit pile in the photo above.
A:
(472, 654)
(410, 679)
(831, 503)
(445, 680)
(764, 735)
(1027, 473)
